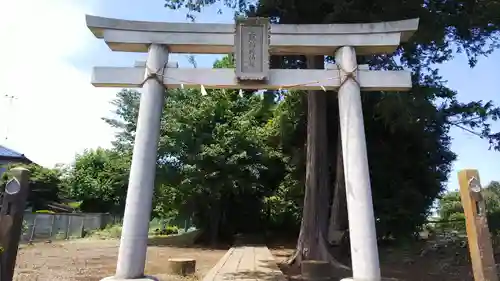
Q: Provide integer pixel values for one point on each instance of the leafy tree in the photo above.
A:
(127, 108)
(450, 208)
(213, 161)
(99, 179)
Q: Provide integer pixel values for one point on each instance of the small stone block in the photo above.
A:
(314, 270)
(182, 266)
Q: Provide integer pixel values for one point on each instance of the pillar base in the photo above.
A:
(145, 278)
(352, 279)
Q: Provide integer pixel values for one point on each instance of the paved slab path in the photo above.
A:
(248, 263)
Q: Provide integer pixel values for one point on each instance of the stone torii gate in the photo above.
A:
(252, 41)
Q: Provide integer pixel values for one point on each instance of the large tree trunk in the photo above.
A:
(339, 222)
(215, 218)
(312, 243)
(316, 203)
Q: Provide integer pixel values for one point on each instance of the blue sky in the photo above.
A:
(57, 113)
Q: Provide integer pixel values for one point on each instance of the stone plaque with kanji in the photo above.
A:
(252, 49)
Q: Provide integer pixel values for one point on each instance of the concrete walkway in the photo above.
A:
(249, 263)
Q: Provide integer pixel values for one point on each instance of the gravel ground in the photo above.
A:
(90, 260)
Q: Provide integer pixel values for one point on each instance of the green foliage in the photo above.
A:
(75, 205)
(45, 185)
(450, 208)
(112, 231)
(407, 134)
(237, 162)
(213, 162)
(223, 157)
(172, 229)
(169, 230)
(24, 227)
(127, 108)
(45, 212)
(98, 179)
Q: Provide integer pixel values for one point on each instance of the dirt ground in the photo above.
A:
(411, 264)
(91, 260)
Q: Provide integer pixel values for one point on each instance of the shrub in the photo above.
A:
(24, 227)
(45, 212)
(169, 230)
(111, 231)
(172, 229)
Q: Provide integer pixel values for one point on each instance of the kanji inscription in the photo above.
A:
(252, 49)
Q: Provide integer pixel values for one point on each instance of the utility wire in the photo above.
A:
(11, 100)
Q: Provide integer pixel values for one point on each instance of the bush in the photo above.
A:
(169, 230)
(24, 227)
(111, 231)
(45, 212)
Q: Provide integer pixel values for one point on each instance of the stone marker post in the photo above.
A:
(11, 220)
(478, 234)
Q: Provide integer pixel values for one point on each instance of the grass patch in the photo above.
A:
(114, 231)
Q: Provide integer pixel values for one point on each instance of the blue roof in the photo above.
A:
(5, 152)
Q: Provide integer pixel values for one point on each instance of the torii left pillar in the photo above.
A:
(134, 240)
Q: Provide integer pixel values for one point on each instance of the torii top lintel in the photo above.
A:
(209, 38)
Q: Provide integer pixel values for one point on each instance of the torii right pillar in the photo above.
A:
(363, 236)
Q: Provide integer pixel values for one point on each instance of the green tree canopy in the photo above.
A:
(450, 208)
(407, 133)
(45, 186)
(99, 179)
(213, 160)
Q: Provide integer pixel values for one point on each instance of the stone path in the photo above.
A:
(249, 263)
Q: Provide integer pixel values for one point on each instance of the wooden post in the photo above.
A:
(68, 226)
(51, 228)
(33, 230)
(11, 220)
(478, 234)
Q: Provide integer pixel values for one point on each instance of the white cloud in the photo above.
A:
(57, 112)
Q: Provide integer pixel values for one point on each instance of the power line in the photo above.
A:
(11, 100)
